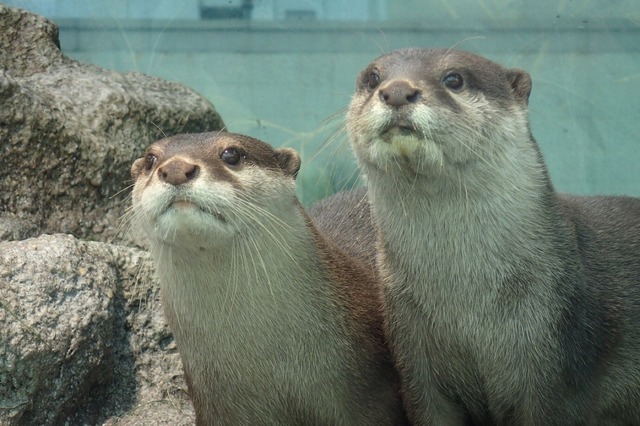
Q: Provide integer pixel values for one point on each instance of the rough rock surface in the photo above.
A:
(83, 337)
(70, 131)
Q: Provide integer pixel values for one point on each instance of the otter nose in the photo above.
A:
(177, 172)
(398, 93)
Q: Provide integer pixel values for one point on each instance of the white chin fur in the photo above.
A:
(395, 148)
(406, 151)
(170, 219)
(191, 226)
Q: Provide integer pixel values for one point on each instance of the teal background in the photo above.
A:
(287, 80)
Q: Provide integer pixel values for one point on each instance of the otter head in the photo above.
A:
(431, 110)
(202, 189)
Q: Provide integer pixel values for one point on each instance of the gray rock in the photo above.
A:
(83, 338)
(70, 132)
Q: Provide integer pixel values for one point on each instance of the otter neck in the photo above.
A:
(269, 288)
(258, 268)
(468, 226)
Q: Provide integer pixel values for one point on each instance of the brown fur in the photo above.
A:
(345, 219)
(505, 302)
(274, 324)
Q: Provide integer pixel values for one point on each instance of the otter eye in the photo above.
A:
(231, 156)
(373, 80)
(150, 161)
(453, 81)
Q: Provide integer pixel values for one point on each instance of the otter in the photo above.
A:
(505, 302)
(274, 323)
(345, 219)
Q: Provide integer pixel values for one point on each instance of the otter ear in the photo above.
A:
(288, 160)
(520, 84)
(136, 167)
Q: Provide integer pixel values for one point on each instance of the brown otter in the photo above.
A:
(274, 323)
(505, 302)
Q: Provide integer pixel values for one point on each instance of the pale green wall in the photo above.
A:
(288, 83)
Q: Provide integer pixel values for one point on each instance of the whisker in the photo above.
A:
(126, 188)
(267, 275)
(273, 232)
(164, 135)
(237, 260)
(456, 44)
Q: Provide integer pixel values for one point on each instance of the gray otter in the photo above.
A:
(505, 302)
(274, 324)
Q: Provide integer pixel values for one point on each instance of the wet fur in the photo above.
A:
(506, 303)
(274, 324)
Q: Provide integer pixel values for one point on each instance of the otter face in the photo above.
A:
(428, 109)
(201, 189)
